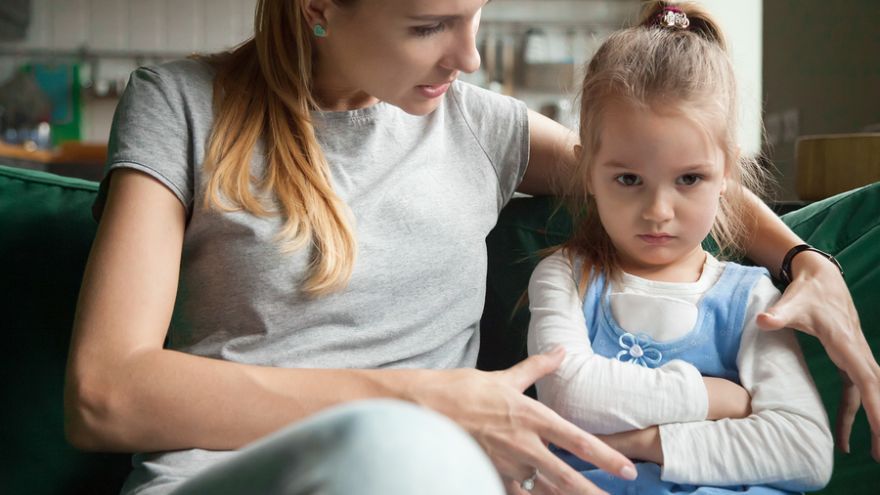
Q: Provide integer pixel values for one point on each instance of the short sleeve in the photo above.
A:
(151, 133)
(500, 124)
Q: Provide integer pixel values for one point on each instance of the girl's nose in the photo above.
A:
(659, 208)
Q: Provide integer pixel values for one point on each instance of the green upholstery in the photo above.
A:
(46, 230)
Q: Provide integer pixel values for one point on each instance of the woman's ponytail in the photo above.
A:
(263, 90)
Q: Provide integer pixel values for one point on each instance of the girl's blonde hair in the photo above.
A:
(654, 67)
(263, 90)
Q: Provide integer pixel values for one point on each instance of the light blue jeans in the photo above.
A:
(370, 448)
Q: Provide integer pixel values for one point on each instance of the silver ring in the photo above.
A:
(528, 484)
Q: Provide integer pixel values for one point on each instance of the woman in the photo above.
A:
(303, 220)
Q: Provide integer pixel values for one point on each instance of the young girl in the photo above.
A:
(643, 312)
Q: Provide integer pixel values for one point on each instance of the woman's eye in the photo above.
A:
(688, 179)
(429, 30)
(629, 180)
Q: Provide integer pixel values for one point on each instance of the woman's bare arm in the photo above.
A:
(124, 392)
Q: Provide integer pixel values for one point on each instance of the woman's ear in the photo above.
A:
(578, 151)
(314, 12)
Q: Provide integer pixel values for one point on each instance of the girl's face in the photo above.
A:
(657, 180)
(403, 52)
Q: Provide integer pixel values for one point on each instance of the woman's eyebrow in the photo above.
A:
(433, 17)
(436, 18)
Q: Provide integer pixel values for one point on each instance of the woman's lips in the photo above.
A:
(433, 90)
(656, 239)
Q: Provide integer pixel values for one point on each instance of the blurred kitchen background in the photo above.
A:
(807, 67)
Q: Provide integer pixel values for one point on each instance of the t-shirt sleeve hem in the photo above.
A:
(98, 206)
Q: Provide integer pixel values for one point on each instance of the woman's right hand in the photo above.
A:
(727, 399)
(515, 430)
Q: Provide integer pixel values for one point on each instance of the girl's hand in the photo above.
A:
(643, 445)
(515, 430)
(726, 399)
(818, 303)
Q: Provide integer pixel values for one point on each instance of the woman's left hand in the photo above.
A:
(818, 302)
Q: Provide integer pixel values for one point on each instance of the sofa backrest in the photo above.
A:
(46, 230)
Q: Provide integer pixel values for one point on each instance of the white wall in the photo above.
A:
(158, 25)
(173, 27)
(742, 22)
(184, 26)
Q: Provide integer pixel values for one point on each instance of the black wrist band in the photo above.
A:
(785, 274)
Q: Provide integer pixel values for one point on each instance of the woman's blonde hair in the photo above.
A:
(660, 68)
(263, 90)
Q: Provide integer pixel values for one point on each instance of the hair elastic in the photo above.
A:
(671, 17)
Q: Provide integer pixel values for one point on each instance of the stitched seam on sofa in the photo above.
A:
(48, 181)
(852, 240)
(825, 207)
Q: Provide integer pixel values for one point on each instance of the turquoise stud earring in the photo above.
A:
(319, 30)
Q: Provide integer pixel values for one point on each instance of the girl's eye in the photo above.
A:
(628, 180)
(429, 30)
(688, 180)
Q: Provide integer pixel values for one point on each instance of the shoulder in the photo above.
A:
(558, 264)
(556, 271)
(475, 101)
(174, 82)
(740, 273)
(762, 292)
(186, 71)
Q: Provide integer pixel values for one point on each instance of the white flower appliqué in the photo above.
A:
(637, 349)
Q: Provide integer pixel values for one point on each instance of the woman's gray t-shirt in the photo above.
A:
(424, 190)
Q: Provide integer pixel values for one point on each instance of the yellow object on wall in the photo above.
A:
(833, 163)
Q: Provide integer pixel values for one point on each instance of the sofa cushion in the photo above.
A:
(46, 231)
(848, 226)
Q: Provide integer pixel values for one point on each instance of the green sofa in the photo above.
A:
(46, 230)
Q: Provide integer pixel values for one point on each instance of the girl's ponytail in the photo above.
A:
(687, 16)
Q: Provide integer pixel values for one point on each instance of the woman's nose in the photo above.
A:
(462, 54)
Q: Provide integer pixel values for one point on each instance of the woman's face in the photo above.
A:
(403, 52)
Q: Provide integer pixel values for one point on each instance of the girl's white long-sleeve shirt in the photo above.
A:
(786, 441)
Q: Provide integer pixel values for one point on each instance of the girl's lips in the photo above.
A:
(433, 90)
(656, 239)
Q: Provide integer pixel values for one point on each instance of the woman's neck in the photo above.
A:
(333, 94)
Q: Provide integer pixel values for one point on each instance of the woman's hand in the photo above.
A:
(726, 399)
(835, 323)
(515, 430)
